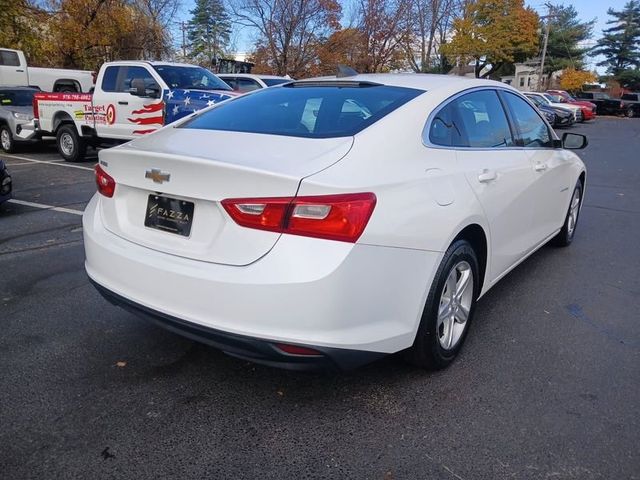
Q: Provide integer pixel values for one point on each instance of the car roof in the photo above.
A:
(152, 63)
(254, 75)
(420, 81)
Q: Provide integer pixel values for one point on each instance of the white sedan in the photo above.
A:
(327, 223)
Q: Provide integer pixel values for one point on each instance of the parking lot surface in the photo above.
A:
(546, 387)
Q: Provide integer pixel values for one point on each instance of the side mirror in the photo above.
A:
(574, 141)
(152, 91)
(137, 87)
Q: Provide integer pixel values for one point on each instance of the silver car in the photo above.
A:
(16, 117)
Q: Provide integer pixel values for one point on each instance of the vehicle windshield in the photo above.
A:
(190, 78)
(270, 82)
(551, 98)
(311, 111)
(16, 98)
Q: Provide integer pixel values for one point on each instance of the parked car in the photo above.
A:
(546, 99)
(246, 82)
(588, 108)
(131, 99)
(5, 183)
(561, 116)
(339, 239)
(16, 117)
(15, 71)
(630, 104)
(605, 105)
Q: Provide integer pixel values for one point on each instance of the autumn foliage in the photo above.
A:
(573, 80)
(493, 32)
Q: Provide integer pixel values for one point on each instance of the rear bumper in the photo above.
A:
(336, 297)
(26, 132)
(247, 348)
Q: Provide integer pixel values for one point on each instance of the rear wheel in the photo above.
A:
(70, 145)
(449, 309)
(7, 142)
(630, 113)
(568, 230)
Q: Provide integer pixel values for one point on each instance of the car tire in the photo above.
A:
(442, 332)
(7, 142)
(629, 113)
(568, 230)
(70, 145)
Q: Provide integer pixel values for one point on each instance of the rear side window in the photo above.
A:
(533, 131)
(9, 59)
(630, 96)
(312, 111)
(475, 120)
(247, 84)
(270, 82)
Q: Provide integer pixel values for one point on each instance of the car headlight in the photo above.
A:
(550, 116)
(23, 116)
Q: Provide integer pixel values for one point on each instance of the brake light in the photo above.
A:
(34, 102)
(106, 184)
(341, 217)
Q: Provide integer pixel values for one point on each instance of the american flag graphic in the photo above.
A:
(176, 104)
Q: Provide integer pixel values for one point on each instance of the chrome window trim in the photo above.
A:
(427, 127)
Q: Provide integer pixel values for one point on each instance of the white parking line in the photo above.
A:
(48, 162)
(45, 207)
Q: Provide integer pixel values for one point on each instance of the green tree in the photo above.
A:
(209, 31)
(491, 33)
(566, 39)
(630, 79)
(619, 43)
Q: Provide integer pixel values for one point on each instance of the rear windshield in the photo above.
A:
(270, 82)
(316, 111)
(16, 98)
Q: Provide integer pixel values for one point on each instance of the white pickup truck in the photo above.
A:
(131, 98)
(14, 72)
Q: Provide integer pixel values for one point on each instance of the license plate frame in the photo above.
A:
(168, 214)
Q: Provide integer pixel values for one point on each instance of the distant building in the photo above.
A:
(526, 76)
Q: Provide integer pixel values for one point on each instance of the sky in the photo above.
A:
(587, 10)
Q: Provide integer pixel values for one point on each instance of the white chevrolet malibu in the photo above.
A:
(327, 223)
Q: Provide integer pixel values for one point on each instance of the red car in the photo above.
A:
(588, 108)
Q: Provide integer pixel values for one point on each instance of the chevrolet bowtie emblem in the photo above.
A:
(157, 176)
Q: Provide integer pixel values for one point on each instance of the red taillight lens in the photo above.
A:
(340, 217)
(297, 350)
(34, 102)
(106, 184)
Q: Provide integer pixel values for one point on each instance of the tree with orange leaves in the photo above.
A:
(491, 33)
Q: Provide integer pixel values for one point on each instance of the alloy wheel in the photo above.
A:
(455, 304)
(574, 210)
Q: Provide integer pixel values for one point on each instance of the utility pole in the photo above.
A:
(183, 27)
(544, 47)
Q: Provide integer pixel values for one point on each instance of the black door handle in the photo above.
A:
(123, 103)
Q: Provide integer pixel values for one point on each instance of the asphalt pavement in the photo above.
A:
(546, 387)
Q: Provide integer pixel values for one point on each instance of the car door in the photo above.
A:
(498, 171)
(551, 166)
(120, 113)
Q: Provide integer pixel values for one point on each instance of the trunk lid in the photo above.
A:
(205, 167)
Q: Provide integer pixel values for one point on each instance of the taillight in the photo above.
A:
(34, 102)
(341, 217)
(106, 184)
